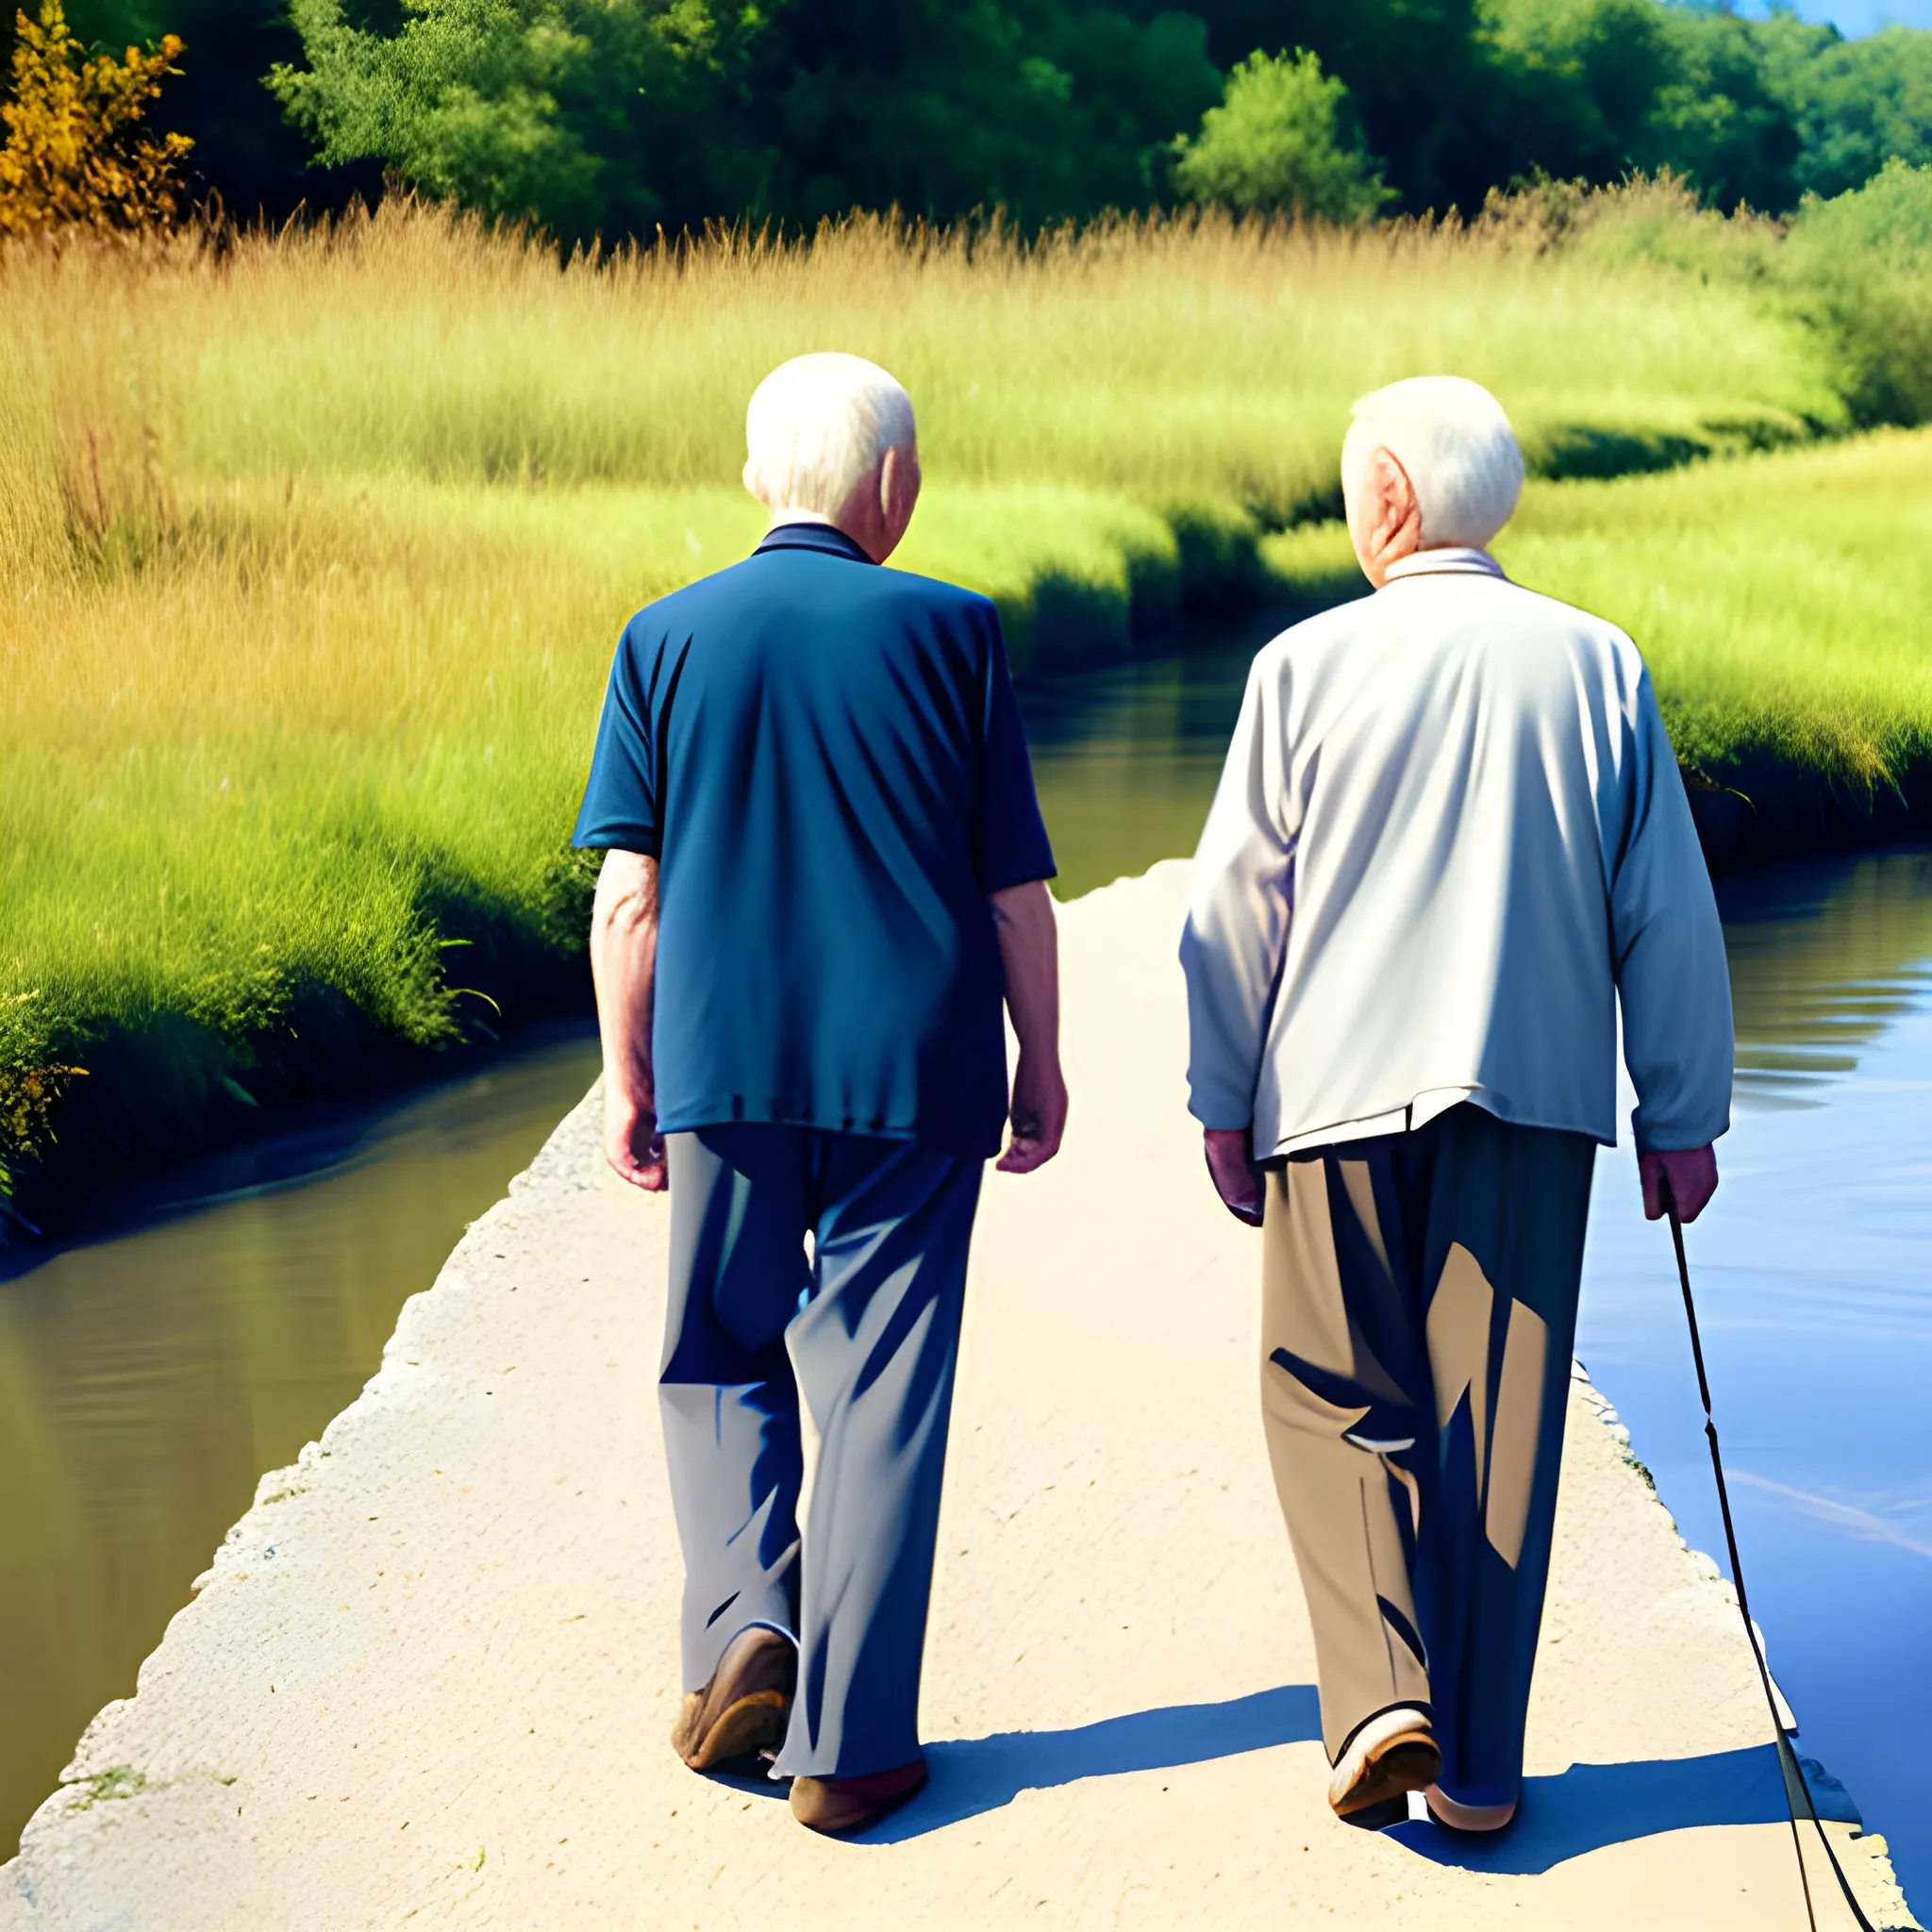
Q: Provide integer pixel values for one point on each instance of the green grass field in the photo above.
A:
(1783, 603)
(312, 557)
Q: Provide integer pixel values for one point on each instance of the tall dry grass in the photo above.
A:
(1192, 356)
(313, 546)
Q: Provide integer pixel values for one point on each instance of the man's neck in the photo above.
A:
(1454, 559)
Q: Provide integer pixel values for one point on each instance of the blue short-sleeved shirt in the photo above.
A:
(826, 760)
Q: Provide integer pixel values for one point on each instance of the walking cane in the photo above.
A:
(1788, 1759)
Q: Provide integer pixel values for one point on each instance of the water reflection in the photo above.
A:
(1811, 1271)
(1824, 957)
(145, 1381)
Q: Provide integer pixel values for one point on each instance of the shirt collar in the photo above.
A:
(1451, 560)
(820, 537)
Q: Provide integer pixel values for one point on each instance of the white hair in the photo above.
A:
(1453, 439)
(817, 427)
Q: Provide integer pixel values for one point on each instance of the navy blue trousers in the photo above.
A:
(865, 1332)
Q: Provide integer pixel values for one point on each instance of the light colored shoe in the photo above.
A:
(840, 1806)
(1466, 1817)
(1392, 1755)
(743, 1708)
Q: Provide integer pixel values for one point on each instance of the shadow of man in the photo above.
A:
(1562, 1817)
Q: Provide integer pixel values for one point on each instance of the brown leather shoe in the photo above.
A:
(840, 1806)
(1394, 1753)
(743, 1708)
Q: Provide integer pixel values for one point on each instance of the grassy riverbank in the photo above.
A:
(314, 551)
(1782, 606)
(1780, 603)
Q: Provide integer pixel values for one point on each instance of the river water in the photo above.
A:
(148, 1378)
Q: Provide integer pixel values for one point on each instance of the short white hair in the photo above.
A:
(817, 427)
(1453, 439)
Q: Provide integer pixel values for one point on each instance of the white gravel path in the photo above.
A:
(428, 1679)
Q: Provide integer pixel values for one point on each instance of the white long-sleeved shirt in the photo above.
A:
(1449, 835)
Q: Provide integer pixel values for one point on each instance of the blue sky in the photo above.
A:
(1862, 16)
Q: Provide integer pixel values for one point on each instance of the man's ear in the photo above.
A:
(753, 482)
(1385, 520)
(899, 485)
(898, 491)
(1394, 500)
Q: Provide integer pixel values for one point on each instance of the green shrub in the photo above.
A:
(1859, 270)
(1279, 143)
(1854, 273)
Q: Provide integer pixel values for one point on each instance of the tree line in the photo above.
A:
(615, 117)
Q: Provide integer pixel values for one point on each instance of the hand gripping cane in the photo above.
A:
(1795, 1787)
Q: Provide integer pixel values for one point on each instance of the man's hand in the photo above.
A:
(1692, 1177)
(633, 1145)
(1039, 1115)
(1235, 1178)
(1029, 951)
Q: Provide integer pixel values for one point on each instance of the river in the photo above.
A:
(148, 1378)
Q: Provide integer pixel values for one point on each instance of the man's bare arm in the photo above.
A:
(624, 965)
(1029, 946)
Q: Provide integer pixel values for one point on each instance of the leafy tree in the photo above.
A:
(608, 115)
(1574, 86)
(76, 151)
(1458, 97)
(1048, 108)
(1723, 120)
(1855, 104)
(588, 115)
(1280, 141)
(1594, 90)
(611, 115)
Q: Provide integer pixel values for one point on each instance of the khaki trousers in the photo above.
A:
(1419, 1310)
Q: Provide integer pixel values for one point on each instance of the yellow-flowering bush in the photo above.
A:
(76, 151)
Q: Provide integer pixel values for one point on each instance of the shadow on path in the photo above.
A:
(1591, 1805)
(1582, 1810)
(982, 1773)
(1596, 1805)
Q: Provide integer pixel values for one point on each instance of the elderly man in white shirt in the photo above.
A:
(1450, 837)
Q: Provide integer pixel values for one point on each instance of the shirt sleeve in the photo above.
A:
(1237, 913)
(1669, 950)
(621, 806)
(1011, 845)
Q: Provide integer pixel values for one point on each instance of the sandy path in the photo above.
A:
(429, 1676)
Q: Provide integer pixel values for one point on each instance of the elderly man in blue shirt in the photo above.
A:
(824, 874)
(1450, 838)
